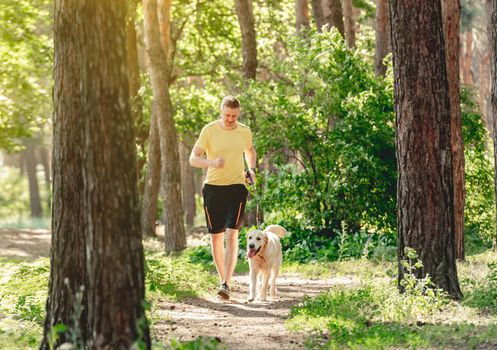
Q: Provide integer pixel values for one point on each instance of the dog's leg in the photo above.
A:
(265, 281)
(274, 274)
(252, 284)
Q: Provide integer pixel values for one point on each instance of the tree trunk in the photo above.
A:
(34, 190)
(245, 14)
(382, 36)
(67, 271)
(134, 95)
(425, 192)
(45, 161)
(187, 184)
(115, 261)
(484, 64)
(451, 10)
(301, 15)
(95, 193)
(152, 179)
(318, 13)
(493, 40)
(467, 66)
(334, 15)
(160, 68)
(349, 22)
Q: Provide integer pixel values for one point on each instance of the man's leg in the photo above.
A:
(231, 254)
(217, 246)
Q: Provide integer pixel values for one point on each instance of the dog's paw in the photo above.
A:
(250, 299)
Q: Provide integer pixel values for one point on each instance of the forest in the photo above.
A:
(373, 123)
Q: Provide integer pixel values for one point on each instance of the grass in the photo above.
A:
(373, 315)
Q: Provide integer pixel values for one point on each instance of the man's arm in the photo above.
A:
(198, 161)
(251, 158)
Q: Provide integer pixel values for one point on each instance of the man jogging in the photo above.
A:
(225, 142)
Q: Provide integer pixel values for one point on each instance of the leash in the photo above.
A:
(250, 182)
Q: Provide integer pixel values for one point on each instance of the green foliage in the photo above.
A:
(375, 315)
(171, 277)
(334, 153)
(479, 211)
(201, 343)
(482, 294)
(23, 289)
(25, 73)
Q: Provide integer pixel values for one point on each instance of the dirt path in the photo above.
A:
(238, 324)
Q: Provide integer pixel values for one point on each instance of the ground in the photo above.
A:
(237, 323)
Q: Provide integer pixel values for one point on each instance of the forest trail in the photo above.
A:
(237, 323)
(24, 244)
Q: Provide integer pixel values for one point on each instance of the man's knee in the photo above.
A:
(231, 236)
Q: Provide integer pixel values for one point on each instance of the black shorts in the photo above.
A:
(224, 206)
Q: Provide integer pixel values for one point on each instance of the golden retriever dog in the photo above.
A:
(264, 253)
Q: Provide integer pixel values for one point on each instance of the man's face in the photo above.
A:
(230, 116)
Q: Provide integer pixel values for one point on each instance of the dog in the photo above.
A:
(264, 255)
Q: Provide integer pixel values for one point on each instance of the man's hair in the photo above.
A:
(230, 102)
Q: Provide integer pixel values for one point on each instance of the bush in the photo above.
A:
(334, 153)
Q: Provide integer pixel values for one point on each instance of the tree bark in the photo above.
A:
(349, 25)
(451, 10)
(467, 65)
(115, 261)
(493, 33)
(160, 68)
(34, 189)
(382, 36)
(152, 179)
(425, 191)
(334, 15)
(45, 161)
(67, 271)
(101, 238)
(301, 15)
(245, 14)
(135, 98)
(187, 184)
(318, 13)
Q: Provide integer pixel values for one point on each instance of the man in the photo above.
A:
(225, 142)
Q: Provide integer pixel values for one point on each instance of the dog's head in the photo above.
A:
(256, 239)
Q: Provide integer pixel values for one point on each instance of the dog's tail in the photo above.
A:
(278, 230)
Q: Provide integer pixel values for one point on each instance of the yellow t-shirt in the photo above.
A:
(227, 144)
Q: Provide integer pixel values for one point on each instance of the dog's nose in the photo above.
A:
(251, 246)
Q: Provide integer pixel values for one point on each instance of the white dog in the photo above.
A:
(264, 253)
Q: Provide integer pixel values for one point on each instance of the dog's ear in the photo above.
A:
(266, 239)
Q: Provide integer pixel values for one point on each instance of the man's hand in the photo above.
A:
(250, 176)
(217, 163)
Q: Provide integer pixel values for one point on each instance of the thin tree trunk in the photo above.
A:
(349, 24)
(318, 14)
(493, 40)
(382, 36)
(45, 161)
(152, 179)
(245, 14)
(135, 98)
(34, 190)
(451, 16)
(425, 192)
(187, 184)
(160, 67)
(301, 15)
(467, 65)
(67, 271)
